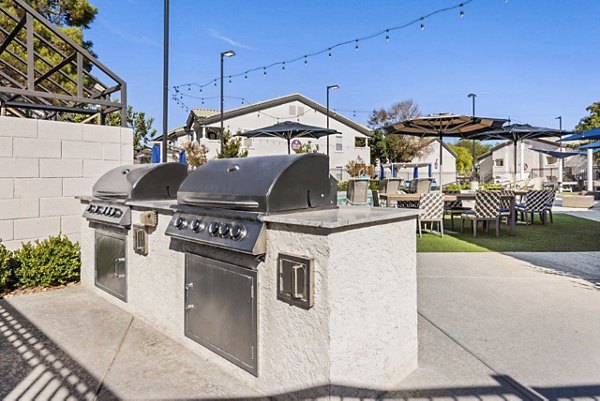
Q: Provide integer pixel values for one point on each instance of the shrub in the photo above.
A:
(6, 267)
(342, 185)
(53, 261)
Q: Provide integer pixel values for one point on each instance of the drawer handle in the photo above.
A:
(116, 267)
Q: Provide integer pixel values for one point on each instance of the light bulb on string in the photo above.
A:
(215, 82)
(245, 75)
(422, 24)
(200, 89)
(462, 11)
(387, 35)
(305, 60)
(283, 66)
(356, 45)
(329, 52)
(230, 79)
(264, 71)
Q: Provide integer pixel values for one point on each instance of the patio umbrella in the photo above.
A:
(593, 133)
(593, 145)
(518, 132)
(288, 130)
(444, 124)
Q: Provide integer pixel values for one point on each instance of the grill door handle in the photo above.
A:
(297, 294)
(192, 200)
(116, 266)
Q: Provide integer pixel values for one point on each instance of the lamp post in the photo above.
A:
(473, 96)
(329, 87)
(228, 53)
(165, 125)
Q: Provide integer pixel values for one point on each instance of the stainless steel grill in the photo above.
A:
(110, 216)
(220, 204)
(218, 226)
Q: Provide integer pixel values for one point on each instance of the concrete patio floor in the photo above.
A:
(491, 326)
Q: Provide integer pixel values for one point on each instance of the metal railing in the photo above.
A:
(44, 73)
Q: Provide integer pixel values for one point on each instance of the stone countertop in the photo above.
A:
(343, 217)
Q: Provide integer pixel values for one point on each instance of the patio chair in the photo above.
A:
(454, 208)
(550, 203)
(423, 185)
(387, 186)
(375, 194)
(505, 204)
(432, 210)
(487, 208)
(535, 202)
(357, 192)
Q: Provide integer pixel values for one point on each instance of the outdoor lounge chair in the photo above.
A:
(357, 192)
(454, 208)
(535, 202)
(550, 203)
(432, 210)
(387, 186)
(487, 208)
(423, 185)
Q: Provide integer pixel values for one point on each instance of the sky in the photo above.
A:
(527, 60)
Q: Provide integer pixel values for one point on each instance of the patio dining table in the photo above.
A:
(389, 198)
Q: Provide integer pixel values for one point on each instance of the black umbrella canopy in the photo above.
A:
(288, 130)
(445, 124)
(518, 132)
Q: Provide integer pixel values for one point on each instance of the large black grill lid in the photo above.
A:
(141, 182)
(265, 184)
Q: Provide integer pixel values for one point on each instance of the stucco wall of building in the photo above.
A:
(44, 165)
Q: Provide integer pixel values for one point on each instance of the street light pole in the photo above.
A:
(165, 83)
(329, 87)
(228, 53)
(473, 96)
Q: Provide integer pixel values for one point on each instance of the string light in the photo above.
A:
(329, 49)
(283, 66)
(230, 79)
(264, 70)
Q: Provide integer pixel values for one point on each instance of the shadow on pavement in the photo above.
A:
(33, 367)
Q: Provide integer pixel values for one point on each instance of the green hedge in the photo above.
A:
(53, 261)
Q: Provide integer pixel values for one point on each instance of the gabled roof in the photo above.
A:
(445, 145)
(506, 143)
(206, 116)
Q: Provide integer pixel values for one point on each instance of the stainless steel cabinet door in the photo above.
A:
(111, 265)
(221, 309)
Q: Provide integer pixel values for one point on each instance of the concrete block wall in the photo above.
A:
(44, 165)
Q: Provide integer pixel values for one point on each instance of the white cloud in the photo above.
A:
(215, 34)
(138, 40)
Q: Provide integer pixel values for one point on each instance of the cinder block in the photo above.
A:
(19, 208)
(6, 188)
(78, 186)
(126, 136)
(19, 167)
(95, 168)
(36, 228)
(61, 168)
(13, 245)
(81, 150)
(60, 130)
(59, 206)
(70, 224)
(6, 230)
(35, 147)
(101, 133)
(18, 127)
(5, 146)
(37, 187)
(74, 237)
(111, 151)
(127, 154)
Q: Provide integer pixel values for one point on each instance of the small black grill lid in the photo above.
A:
(265, 184)
(141, 182)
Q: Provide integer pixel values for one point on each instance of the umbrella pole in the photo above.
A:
(515, 159)
(288, 141)
(441, 155)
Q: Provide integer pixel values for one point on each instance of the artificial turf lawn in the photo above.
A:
(566, 234)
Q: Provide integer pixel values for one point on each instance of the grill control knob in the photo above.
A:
(99, 209)
(107, 211)
(118, 212)
(224, 230)
(180, 222)
(196, 225)
(237, 232)
(113, 211)
(91, 208)
(213, 228)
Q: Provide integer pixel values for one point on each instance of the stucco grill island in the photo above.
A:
(256, 269)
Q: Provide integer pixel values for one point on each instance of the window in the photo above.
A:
(499, 162)
(551, 160)
(360, 142)
(338, 144)
(339, 173)
(212, 133)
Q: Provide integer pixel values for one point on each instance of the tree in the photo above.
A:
(589, 122)
(69, 16)
(232, 147)
(464, 159)
(480, 148)
(142, 126)
(195, 154)
(359, 167)
(395, 148)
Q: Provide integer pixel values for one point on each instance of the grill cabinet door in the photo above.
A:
(221, 309)
(111, 266)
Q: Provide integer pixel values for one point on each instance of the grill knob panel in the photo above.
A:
(213, 228)
(237, 232)
(224, 230)
(180, 222)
